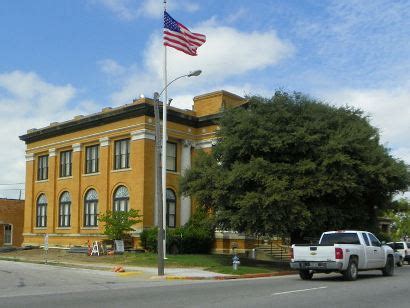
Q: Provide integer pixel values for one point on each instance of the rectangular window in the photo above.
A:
(64, 217)
(91, 159)
(171, 156)
(42, 171)
(340, 238)
(90, 214)
(41, 215)
(122, 154)
(171, 217)
(366, 240)
(65, 163)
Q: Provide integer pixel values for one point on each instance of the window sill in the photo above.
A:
(89, 228)
(63, 228)
(40, 228)
(91, 174)
(121, 170)
(65, 177)
(42, 181)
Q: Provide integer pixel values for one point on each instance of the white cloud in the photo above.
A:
(123, 9)
(155, 8)
(111, 67)
(389, 111)
(227, 53)
(27, 101)
(131, 9)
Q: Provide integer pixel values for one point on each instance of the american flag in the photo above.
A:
(177, 36)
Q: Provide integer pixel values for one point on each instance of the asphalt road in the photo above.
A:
(29, 285)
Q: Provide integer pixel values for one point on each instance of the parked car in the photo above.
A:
(403, 248)
(346, 252)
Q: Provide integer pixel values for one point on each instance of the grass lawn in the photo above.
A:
(215, 263)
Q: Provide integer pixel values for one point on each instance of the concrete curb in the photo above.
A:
(230, 277)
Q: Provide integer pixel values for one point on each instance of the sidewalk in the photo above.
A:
(121, 269)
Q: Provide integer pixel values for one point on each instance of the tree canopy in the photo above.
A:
(293, 165)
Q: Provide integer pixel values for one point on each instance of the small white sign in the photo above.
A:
(119, 245)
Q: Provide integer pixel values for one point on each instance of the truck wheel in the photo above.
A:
(388, 269)
(305, 274)
(351, 272)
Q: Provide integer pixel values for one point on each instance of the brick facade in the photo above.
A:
(188, 130)
(11, 214)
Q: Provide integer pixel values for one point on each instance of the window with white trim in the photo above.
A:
(65, 163)
(92, 159)
(42, 170)
(121, 199)
(41, 216)
(64, 215)
(91, 209)
(171, 156)
(122, 154)
(171, 208)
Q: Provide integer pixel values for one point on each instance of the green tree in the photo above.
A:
(401, 219)
(119, 223)
(294, 165)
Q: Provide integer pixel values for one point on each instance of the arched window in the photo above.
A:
(171, 209)
(64, 215)
(91, 209)
(41, 220)
(121, 199)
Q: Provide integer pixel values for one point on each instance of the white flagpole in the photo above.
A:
(164, 146)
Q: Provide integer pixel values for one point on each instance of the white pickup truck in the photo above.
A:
(346, 252)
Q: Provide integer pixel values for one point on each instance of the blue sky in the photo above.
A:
(68, 57)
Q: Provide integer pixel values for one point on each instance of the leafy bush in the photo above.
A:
(119, 223)
(197, 236)
(149, 239)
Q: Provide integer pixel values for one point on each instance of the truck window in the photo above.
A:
(366, 240)
(399, 245)
(374, 240)
(340, 238)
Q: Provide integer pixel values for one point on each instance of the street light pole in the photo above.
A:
(158, 187)
(161, 167)
(164, 154)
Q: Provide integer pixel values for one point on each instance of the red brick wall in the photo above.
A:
(12, 212)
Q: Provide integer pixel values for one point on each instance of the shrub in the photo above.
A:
(149, 239)
(197, 236)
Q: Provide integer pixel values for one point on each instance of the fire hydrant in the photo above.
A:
(235, 262)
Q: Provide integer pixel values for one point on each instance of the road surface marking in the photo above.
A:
(296, 291)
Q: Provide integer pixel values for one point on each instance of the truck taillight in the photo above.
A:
(338, 253)
(291, 254)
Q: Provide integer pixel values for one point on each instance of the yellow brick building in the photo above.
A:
(78, 169)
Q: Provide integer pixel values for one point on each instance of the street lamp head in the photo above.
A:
(195, 73)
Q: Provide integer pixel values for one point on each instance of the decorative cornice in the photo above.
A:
(52, 152)
(104, 142)
(29, 156)
(142, 134)
(76, 147)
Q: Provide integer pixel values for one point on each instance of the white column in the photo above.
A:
(185, 164)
